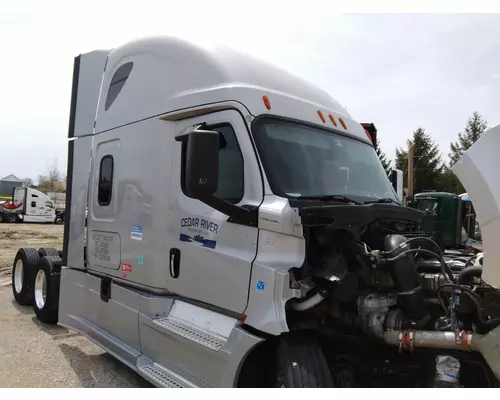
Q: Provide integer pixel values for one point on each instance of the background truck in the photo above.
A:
(242, 232)
(29, 205)
(470, 207)
(448, 219)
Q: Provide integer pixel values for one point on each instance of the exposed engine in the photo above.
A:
(378, 292)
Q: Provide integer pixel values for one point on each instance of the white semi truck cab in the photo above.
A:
(28, 205)
(241, 231)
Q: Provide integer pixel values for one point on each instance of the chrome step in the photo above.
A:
(193, 333)
(163, 377)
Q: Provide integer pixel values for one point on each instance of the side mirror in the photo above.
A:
(200, 173)
(396, 178)
(201, 161)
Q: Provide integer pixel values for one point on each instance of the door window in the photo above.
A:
(230, 183)
(105, 181)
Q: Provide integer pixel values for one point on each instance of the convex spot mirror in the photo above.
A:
(200, 161)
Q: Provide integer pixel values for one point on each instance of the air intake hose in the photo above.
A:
(407, 282)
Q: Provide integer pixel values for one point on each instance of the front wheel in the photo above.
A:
(10, 218)
(301, 363)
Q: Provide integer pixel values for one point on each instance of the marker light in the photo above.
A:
(267, 102)
(342, 122)
(321, 116)
(332, 118)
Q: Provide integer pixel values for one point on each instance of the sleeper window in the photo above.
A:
(119, 78)
(105, 181)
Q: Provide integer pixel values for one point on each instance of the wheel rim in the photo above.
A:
(40, 289)
(19, 276)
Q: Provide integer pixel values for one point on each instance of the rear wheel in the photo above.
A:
(23, 274)
(301, 363)
(48, 251)
(46, 289)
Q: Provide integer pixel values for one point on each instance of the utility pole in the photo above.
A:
(411, 150)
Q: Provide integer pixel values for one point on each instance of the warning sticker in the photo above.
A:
(104, 249)
(126, 267)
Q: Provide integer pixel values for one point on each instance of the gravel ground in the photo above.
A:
(37, 355)
(14, 236)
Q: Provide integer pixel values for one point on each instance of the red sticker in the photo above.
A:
(126, 267)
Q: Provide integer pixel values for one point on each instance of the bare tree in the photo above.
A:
(41, 180)
(28, 182)
(54, 175)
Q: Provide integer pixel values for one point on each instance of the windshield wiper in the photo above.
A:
(330, 197)
(385, 200)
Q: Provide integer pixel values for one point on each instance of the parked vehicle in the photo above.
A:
(448, 218)
(242, 232)
(28, 205)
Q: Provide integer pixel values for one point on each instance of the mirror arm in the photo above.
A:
(245, 215)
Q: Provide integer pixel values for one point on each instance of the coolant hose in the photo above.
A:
(309, 303)
(407, 282)
(468, 273)
(410, 339)
(485, 344)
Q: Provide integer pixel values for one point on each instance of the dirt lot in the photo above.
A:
(36, 355)
(14, 236)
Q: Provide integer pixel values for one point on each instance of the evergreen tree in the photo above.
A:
(427, 162)
(449, 182)
(474, 128)
(383, 158)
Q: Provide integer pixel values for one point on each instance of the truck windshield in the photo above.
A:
(428, 205)
(303, 161)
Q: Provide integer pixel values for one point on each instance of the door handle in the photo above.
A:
(175, 262)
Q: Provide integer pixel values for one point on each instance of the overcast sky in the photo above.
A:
(400, 71)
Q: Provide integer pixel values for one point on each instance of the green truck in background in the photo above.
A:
(449, 218)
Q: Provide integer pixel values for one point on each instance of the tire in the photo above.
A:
(48, 251)
(10, 218)
(301, 363)
(58, 221)
(46, 289)
(23, 275)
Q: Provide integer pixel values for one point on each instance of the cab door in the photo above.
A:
(210, 257)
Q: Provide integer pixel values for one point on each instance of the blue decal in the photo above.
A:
(204, 242)
(136, 232)
(260, 286)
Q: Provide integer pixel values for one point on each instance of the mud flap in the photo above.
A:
(105, 289)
